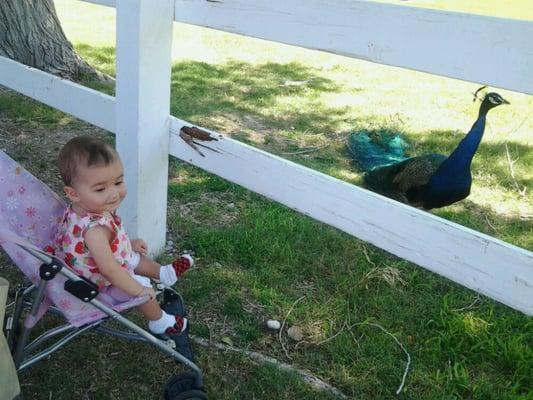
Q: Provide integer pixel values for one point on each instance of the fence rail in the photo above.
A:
(488, 50)
(84, 103)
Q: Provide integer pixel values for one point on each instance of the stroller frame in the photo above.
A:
(84, 290)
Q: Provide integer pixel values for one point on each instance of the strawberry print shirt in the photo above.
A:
(70, 243)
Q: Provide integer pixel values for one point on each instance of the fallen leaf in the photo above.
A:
(227, 340)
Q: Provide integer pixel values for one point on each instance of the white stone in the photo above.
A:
(273, 324)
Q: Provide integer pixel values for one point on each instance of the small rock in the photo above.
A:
(295, 333)
(273, 324)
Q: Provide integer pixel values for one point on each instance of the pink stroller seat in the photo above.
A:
(30, 214)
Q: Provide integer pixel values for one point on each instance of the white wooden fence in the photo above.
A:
(487, 50)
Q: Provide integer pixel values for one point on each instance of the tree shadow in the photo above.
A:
(200, 89)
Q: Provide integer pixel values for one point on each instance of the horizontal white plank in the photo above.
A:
(108, 3)
(497, 269)
(493, 51)
(87, 104)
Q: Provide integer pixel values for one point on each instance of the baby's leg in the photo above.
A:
(158, 320)
(151, 310)
(167, 274)
(148, 267)
(166, 326)
(160, 323)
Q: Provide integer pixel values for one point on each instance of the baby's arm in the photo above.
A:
(97, 241)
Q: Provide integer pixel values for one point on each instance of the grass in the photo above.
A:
(256, 258)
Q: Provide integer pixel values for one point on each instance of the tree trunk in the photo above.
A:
(31, 33)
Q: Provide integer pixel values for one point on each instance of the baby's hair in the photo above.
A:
(83, 151)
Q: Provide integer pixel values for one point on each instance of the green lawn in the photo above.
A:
(257, 258)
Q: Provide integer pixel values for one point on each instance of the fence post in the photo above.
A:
(144, 39)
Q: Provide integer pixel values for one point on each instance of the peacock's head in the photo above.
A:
(489, 101)
(494, 99)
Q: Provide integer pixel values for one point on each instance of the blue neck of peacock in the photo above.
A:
(461, 157)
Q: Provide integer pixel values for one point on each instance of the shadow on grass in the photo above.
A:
(512, 229)
(200, 89)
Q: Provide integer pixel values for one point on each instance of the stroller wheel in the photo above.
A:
(181, 384)
(191, 395)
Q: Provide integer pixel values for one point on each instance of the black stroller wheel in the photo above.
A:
(191, 395)
(180, 384)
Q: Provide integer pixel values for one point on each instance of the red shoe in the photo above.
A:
(182, 264)
(181, 339)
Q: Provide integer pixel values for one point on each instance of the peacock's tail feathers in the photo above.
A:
(374, 149)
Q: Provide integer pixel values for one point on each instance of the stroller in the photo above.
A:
(29, 215)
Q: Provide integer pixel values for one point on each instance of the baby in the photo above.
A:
(93, 242)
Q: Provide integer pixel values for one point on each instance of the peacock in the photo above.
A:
(427, 181)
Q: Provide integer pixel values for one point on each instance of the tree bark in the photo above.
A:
(31, 33)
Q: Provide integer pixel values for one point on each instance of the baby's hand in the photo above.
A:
(139, 246)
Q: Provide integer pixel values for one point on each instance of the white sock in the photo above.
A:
(160, 325)
(167, 275)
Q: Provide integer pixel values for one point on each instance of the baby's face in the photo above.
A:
(99, 188)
